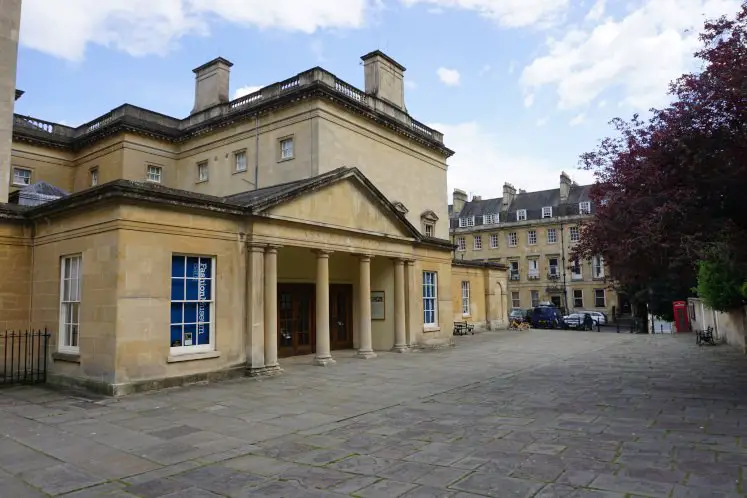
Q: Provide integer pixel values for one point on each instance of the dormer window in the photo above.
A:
(547, 212)
(584, 207)
(490, 219)
(521, 215)
(400, 207)
(467, 222)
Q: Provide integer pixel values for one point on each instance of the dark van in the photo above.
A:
(547, 317)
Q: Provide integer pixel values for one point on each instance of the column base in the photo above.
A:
(323, 362)
(366, 355)
(266, 371)
(400, 349)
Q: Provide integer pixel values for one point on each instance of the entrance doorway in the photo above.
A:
(297, 318)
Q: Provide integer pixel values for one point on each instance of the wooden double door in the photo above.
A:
(297, 318)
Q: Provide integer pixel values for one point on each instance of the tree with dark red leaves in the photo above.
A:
(675, 186)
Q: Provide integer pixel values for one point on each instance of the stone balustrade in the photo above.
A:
(315, 76)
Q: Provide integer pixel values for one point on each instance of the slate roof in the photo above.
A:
(533, 202)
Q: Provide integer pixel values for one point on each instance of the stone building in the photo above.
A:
(533, 233)
(280, 223)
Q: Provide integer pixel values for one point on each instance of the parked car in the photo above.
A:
(598, 317)
(547, 317)
(580, 320)
(517, 315)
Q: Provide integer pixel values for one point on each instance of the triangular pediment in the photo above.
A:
(345, 204)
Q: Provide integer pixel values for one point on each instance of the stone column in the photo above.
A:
(10, 22)
(364, 308)
(271, 309)
(255, 316)
(413, 316)
(323, 353)
(400, 336)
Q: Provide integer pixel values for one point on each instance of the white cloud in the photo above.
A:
(245, 90)
(449, 77)
(542, 122)
(484, 162)
(529, 100)
(140, 27)
(640, 53)
(597, 11)
(508, 13)
(578, 119)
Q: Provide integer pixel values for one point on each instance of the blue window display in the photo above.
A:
(191, 301)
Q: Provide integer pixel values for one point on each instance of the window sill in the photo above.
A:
(286, 159)
(240, 171)
(431, 329)
(201, 181)
(209, 355)
(66, 357)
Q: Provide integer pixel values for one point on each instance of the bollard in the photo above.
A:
(618, 327)
(599, 327)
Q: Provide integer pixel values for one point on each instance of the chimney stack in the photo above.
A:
(460, 199)
(565, 187)
(384, 78)
(476, 197)
(211, 84)
(509, 193)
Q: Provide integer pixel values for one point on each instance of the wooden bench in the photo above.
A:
(463, 328)
(705, 336)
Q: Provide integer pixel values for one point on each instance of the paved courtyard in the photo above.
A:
(508, 414)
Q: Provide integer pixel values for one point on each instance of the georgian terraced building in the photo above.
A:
(533, 233)
(160, 250)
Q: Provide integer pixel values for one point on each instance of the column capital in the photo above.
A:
(410, 262)
(272, 248)
(364, 257)
(255, 247)
(399, 261)
(322, 253)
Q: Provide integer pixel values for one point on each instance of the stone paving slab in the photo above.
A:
(533, 414)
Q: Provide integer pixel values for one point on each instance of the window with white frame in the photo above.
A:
(430, 298)
(521, 215)
(578, 298)
(239, 161)
(547, 212)
(286, 148)
(154, 173)
(192, 304)
(513, 239)
(514, 270)
(468, 222)
(533, 271)
(584, 207)
(535, 298)
(552, 236)
(494, 241)
(477, 243)
(429, 229)
(597, 264)
(21, 176)
(465, 298)
(202, 171)
(490, 219)
(70, 273)
(576, 273)
(603, 202)
(515, 300)
(575, 234)
(532, 237)
(461, 244)
(600, 300)
(553, 272)
(94, 177)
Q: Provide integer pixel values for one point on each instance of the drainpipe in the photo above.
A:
(562, 250)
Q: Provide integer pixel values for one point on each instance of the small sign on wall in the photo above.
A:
(378, 310)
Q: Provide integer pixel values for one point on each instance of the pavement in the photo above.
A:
(538, 413)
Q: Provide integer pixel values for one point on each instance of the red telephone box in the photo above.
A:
(681, 320)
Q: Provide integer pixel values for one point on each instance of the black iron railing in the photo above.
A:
(24, 357)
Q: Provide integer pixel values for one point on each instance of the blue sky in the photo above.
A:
(519, 87)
